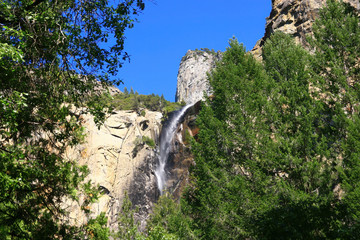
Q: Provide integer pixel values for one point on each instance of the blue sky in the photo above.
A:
(168, 28)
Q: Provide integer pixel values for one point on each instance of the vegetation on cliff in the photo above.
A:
(138, 102)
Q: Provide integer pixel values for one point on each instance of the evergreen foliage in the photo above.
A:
(128, 226)
(168, 218)
(278, 150)
(138, 102)
(232, 126)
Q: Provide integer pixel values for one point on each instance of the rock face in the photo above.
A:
(192, 76)
(119, 161)
(294, 17)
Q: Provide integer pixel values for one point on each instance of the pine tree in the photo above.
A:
(128, 226)
(336, 69)
(278, 151)
(126, 92)
(302, 177)
(226, 154)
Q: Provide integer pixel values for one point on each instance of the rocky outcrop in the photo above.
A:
(294, 17)
(192, 76)
(119, 161)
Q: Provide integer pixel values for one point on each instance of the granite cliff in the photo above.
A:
(119, 161)
(192, 76)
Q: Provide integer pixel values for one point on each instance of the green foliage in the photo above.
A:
(133, 101)
(188, 138)
(148, 141)
(138, 145)
(159, 233)
(278, 150)
(128, 226)
(140, 142)
(220, 199)
(167, 221)
(51, 52)
(96, 228)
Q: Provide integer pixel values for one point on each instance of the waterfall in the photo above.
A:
(167, 135)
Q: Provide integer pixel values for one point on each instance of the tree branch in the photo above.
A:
(34, 4)
(4, 21)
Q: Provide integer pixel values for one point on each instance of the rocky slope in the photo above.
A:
(294, 17)
(192, 79)
(119, 161)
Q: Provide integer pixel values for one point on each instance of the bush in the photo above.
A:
(148, 141)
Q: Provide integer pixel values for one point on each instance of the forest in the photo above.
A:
(277, 155)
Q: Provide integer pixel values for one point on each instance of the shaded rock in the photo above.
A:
(143, 191)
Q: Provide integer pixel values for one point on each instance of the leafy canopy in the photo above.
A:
(51, 52)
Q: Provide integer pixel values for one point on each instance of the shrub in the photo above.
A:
(148, 141)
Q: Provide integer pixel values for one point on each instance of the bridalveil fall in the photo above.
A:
(166, 138)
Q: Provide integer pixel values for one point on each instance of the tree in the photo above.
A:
(303, 180)
(278, 149)
(336, 69)
(220, 200)
(128, 226)
(168, 221)
(51, 53)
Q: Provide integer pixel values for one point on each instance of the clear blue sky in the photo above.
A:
(168, 28)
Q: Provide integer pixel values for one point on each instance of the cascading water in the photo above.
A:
(167, 135)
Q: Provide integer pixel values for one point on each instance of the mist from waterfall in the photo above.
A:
(167, 135)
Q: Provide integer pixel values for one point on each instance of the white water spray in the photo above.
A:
(167, 135)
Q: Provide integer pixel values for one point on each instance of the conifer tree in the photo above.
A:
(226, 154)
(336, 67)
(278, 151)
